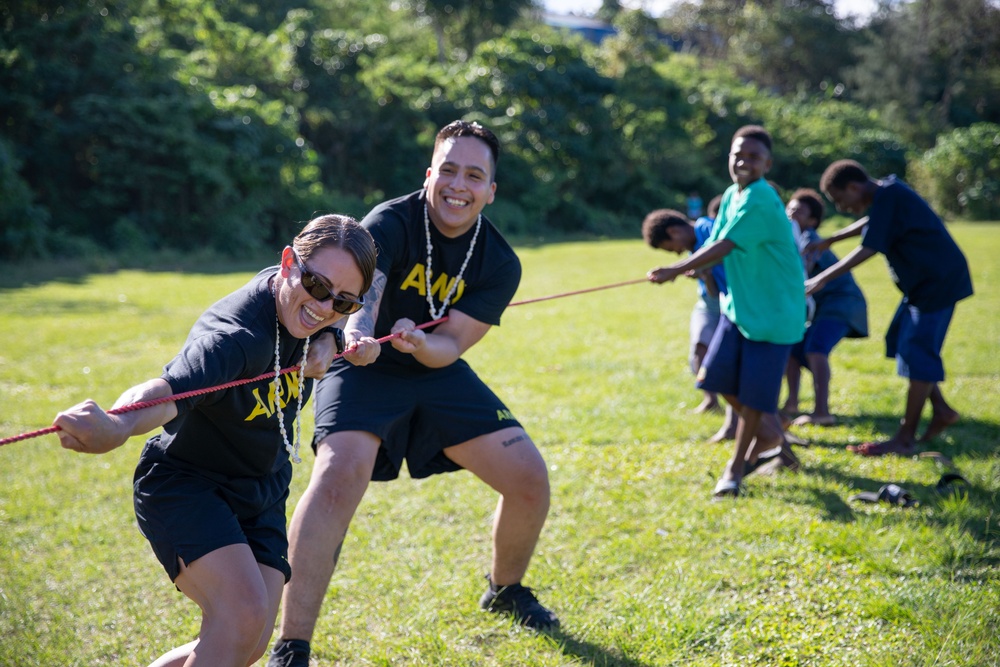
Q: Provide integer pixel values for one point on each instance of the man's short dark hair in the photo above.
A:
(656, 224)
(464, 128)
(754, 132)
(840, 173)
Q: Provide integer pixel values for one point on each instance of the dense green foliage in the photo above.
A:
(142, 125)
(642, 567)
(961, 174)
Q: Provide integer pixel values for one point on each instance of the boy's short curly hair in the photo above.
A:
(811, 200)
(656, 224)
(754, 132)
(840, 173)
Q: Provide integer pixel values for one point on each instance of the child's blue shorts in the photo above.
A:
(750, 370)
(821, 337)
(915, 339)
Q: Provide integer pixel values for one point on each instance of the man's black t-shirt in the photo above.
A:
(487, 285)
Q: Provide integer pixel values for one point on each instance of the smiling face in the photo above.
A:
(749, 161)
(799, 212)
(459, 184)
(301, 313)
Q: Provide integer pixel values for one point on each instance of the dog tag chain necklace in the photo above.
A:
(293, 451)
(435, 313)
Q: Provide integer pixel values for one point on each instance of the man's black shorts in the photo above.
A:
(415, 413)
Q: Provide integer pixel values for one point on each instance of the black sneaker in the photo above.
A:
(289, 653)
(519, 602)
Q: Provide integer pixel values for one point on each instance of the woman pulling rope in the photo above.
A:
(210, 489)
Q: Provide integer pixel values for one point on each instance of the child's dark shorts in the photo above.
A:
(750, 370)
(915, 339)
(820, 338)
(415, 413)
(186, 512)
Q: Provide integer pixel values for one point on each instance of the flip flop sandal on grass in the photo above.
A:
(891, 494)
(726, 488)
(950, 483)
(938, 458)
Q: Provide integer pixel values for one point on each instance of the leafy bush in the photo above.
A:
(184, 124)
(548, 108)
(960, 176)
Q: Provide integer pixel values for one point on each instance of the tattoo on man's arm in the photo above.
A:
(364, 319)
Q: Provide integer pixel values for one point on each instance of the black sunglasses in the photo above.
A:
(320, 292)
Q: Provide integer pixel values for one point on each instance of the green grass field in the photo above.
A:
(643, 569)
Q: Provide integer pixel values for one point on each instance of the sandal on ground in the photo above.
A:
(726, 488)
(938, 458)
(950, 483)
(779, 463)
(891, 494)
(763, 458)
(813, 420)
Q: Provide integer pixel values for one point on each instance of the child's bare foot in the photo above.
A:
(789, 409)
(793, 439)
(786, 415)
(941, 420)
(777, 459)
(893, 446)
(721, 435)
(709, 404)
(727, 432)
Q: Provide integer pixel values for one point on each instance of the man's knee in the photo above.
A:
(531, 484)
(343, 467)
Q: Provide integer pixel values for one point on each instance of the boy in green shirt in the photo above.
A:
(764, 311)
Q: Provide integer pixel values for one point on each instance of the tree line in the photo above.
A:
(141, 125)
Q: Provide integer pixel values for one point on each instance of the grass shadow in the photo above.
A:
(974, 517)
(590, 654)
(834, 507)
(974, 438)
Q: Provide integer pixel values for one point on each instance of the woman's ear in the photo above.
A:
(287, 261)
